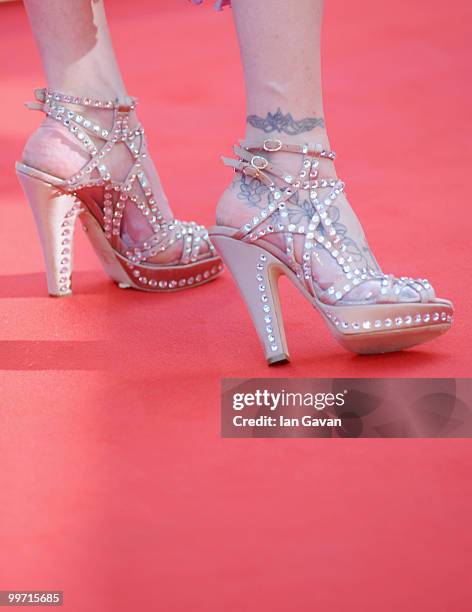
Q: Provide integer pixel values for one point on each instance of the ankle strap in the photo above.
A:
(282, 185)
(273, 145)
(252, 163)
(47, 99)
(97, 139)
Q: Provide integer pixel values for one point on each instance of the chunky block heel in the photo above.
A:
(55, 214)
(256, 273)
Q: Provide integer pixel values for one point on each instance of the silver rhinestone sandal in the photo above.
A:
(99, 200)
(384, 321)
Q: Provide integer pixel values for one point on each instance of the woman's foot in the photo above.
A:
(281, 218)
(53, 149)
(247, 196)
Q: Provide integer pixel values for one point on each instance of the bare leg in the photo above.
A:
(75, 47)
(280, 50)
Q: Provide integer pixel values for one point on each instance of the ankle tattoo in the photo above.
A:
(299, 211)
(284, 123)
(251, 190)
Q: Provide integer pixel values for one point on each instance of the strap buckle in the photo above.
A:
(272, 144)
(258, 162)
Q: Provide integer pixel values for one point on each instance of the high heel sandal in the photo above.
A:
(100, 201)
(376, 325)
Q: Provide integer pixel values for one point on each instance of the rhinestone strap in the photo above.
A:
(136, 189)
(320, 230)
(49, 96)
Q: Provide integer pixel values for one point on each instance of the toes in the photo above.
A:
(408, 294)
(389, 290)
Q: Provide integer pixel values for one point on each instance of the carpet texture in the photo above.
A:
(115, 485)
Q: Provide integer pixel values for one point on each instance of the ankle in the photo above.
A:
(287, 130)
(52, 149)
(319, 135)
(94, 84)
(247, 194)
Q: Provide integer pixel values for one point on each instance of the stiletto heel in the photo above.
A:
(102, 202)
(55, 214)
(256, 273)
(388, 314)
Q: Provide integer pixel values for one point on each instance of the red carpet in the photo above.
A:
(115, 485)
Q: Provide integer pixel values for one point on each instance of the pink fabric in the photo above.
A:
(218, 5)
